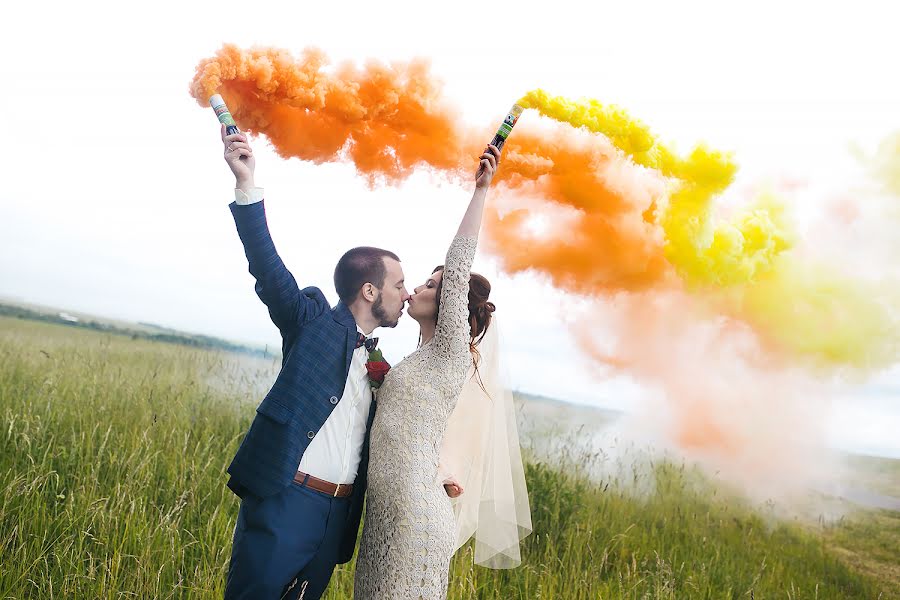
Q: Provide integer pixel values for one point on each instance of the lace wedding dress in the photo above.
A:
(409, 531)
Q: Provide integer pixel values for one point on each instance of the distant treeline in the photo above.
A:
(165, 335)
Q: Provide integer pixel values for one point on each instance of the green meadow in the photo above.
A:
(113, 452)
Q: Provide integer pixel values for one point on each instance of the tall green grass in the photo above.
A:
(112, 485)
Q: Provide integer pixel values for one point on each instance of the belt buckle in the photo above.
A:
(337, 489)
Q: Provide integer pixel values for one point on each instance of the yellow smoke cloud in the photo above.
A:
(744, 266)
(702, 251)
(810, 310)
(886, 164)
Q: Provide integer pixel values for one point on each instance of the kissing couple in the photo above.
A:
(436, 458)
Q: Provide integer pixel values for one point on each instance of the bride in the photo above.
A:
(411, 527)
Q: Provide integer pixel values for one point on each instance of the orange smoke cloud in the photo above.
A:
(386, 119)
(604, 238)
(712, 389)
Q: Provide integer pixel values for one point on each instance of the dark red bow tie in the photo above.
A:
(369, 343)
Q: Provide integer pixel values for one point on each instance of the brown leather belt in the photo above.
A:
(335, 490)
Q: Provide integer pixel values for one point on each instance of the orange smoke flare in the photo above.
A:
(385, 119)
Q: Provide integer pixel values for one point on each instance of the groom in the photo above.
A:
(301, 470)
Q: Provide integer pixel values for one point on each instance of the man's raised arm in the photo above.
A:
(288, 306)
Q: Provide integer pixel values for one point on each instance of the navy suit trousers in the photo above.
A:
(286, 545)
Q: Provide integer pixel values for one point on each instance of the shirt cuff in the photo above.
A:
(255, 195)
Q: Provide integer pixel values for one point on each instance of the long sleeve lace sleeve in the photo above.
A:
(451, 336)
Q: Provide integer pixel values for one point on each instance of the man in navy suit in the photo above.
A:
(301, 469)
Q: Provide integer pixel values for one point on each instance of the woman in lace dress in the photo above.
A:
(409, 532)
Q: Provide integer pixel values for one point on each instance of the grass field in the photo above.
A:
(112, 485)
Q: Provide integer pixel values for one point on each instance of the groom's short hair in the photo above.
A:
(359, 266)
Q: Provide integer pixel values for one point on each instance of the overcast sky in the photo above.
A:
(114, 193)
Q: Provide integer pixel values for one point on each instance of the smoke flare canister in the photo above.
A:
(506, 126)
(222, 113)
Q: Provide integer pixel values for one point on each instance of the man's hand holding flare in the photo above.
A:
(240, 159)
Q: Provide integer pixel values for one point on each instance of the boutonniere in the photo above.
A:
(377, 368)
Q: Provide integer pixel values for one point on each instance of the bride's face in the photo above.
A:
(423, 303)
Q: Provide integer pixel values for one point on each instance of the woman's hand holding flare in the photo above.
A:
(487, 167)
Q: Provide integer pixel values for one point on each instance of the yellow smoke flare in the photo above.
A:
(701, 251)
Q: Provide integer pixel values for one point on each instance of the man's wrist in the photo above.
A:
(245, 185)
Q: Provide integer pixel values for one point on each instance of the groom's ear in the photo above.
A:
(369, 292)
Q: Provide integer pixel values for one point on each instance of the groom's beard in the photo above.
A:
(379, 313)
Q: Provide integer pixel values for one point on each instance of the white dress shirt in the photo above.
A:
(335, 451)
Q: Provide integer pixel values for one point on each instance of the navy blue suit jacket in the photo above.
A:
(317, 343)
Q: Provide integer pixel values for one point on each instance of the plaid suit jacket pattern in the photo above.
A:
(317, 347)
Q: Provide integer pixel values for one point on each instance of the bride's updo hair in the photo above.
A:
(480, 308)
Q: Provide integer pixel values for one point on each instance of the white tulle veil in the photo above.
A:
(481, 449)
